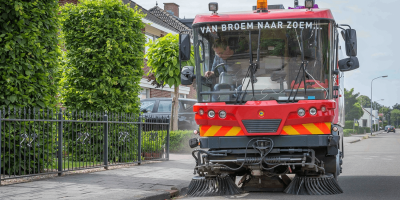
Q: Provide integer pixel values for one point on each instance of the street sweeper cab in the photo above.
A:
(270, 108)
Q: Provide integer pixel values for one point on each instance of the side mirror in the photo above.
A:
(187, 75)
(184, 47)
(349, 64)
(350, 38)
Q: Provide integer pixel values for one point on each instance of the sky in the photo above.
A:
(377, 29)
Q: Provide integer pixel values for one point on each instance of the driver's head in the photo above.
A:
(222, 49)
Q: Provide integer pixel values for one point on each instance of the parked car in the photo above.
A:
(386, 127)
(161, 107)
(391, 129)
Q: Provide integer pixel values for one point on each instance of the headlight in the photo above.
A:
(313, 111)
(222, 114)
(201, 112)
(323, 108)
(301, 112)
(211, 114)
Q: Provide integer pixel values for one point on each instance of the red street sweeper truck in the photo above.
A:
(270, 108)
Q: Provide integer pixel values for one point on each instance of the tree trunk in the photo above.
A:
(174, 110)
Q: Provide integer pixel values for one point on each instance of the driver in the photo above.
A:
(222, 54)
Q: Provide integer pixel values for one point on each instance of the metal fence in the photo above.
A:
(45, 141)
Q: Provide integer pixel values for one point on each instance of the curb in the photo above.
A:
(181, 188)
(159, 196)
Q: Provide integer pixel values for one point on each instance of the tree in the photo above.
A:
(163, 60)
(395, 116)
(29, 53)
(384, 110)
(105, 49)
(364, 101)
(396, 106)
(352, 107)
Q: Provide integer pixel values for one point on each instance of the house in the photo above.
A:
(365, 120)
(159, 22)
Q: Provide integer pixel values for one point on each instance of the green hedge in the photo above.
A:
(29, 53)
(179, 141)
(347, 132)
(29, 73)
(105, 43)
(349, 125)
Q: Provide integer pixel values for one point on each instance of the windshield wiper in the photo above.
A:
(252, 67)
(303, 67)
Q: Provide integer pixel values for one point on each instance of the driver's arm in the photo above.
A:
(217, 61)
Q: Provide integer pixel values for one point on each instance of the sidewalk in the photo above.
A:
(359, 137)
(146, 181)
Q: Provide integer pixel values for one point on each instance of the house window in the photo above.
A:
(145, 93)
(364, 123)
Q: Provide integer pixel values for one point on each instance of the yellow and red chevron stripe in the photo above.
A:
(307, 129)
(218, 131)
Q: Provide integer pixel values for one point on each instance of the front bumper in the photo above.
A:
(280, 141)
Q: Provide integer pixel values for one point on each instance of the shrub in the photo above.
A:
(104, 58)
(179, 141)
(27, 147)
(28, 53)
(347, 132)
(29, 66)
(349, 125)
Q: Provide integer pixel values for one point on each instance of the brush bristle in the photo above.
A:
(320, 185)
(218, 186)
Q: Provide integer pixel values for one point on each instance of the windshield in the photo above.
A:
(291, 54)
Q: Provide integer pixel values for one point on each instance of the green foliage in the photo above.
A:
(278, 44)
(27, 147)
(29, 55)
(105, 45)
(395, 116)
(347, 132)
(29, 66)
(364, 101)
(179, 141)
(353, 108)
(349, 124)
(163, 59)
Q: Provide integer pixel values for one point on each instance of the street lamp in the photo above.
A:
(371, 99)
(378, 113)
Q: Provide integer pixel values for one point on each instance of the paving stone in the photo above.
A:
(137, 182)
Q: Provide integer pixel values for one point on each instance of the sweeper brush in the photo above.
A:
(218, 186)
(317, 185)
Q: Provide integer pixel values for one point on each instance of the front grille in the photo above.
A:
(262, 126)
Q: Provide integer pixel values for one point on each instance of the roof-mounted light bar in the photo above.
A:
(262, 5)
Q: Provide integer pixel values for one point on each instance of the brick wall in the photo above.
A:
(155, 93)
(62, 2)
(172, 7)
(192, 93)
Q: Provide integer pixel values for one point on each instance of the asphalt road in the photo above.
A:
(371, 170)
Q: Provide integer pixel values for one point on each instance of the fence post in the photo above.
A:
(60, 142)
(140, 140)
(105, 159)
(0, 146)
(168, 126)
